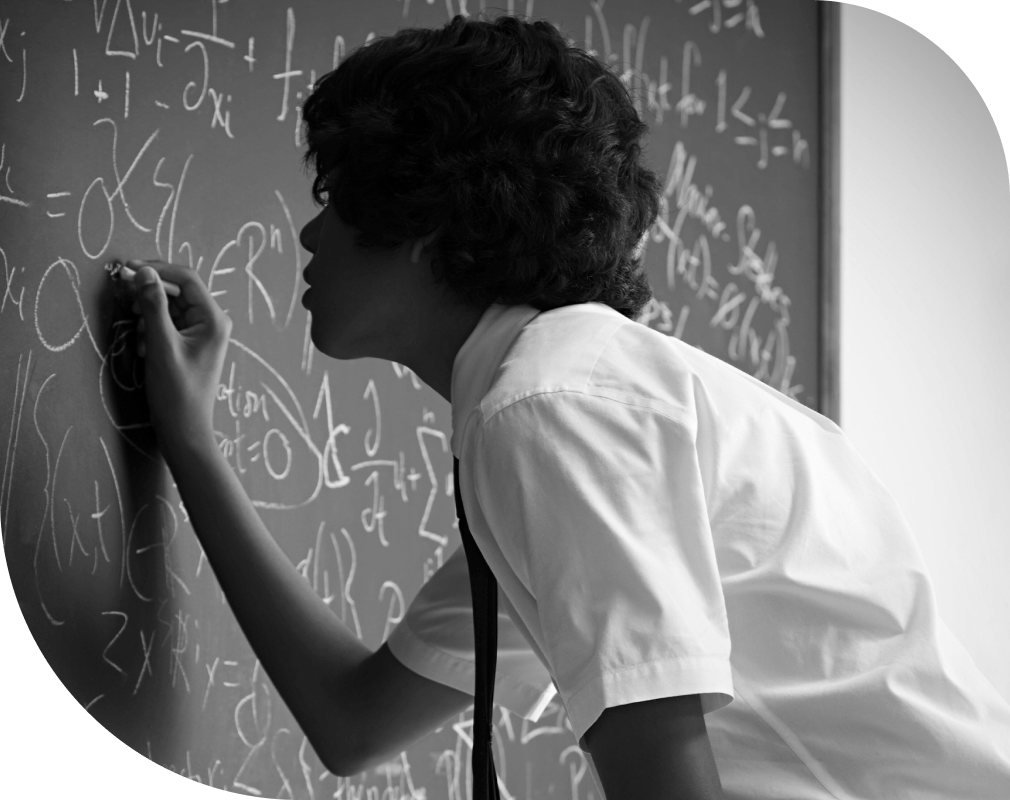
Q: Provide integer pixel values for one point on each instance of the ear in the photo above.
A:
(420, 244)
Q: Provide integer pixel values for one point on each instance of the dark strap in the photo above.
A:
(484, 593)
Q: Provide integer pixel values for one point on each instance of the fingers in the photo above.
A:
(190, 284)
(173, 311)
(194, 305)
(155, 322)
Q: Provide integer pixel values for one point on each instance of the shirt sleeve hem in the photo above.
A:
(518, 696)
(430, 662)
(710, 677)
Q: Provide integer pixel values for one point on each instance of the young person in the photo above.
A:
(727, 601)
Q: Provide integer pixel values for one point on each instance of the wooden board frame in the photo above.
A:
(830, 171)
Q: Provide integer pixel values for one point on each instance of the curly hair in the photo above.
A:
(520, 152)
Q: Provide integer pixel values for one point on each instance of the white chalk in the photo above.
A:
(130, 274)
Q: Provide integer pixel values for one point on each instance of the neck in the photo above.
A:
(436, 340)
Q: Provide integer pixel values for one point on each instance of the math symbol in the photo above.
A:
(11, 196)
(749, 15)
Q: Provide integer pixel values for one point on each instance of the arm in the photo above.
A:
(657, 748)
(356, 707)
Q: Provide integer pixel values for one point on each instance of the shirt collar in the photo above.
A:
(477, 361)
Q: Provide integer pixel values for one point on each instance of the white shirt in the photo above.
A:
(662, 524)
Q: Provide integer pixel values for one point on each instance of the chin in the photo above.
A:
(336, 344)
(335, 350)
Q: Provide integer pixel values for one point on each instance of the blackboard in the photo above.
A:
(171, 129)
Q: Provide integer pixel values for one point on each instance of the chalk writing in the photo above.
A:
(422, 529)
(146, 646)
(4, 25)
(329, 455)
(10, 273)
(397, 606)
(253, 715)
(749, 15)
(287, 74)
(689, 104)
(118, 192)
(105, 652)
(49, 489)
(375, 434)
(10, 197)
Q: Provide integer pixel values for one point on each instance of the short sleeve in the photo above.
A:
(599, 507)
(435, 639)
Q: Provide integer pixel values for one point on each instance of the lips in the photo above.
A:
(305, 297)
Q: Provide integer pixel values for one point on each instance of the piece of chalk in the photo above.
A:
(130, 274)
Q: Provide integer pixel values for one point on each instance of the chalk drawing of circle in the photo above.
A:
(80, 219)
(71, 272)
(274, 473)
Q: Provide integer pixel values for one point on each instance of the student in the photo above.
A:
(726, 599)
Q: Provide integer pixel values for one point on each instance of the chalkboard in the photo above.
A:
(171, 129)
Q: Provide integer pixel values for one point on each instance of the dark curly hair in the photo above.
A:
(520, 152)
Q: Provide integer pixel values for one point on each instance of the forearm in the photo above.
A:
(310, 656)
(655, 749)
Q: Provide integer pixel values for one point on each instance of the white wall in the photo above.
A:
(925, 340)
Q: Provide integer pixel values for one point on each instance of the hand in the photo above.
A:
(183, 341)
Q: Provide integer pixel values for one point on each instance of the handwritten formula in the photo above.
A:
(138, 128)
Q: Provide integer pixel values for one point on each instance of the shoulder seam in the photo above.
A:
(655, 406)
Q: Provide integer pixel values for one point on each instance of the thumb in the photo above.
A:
(153, 303)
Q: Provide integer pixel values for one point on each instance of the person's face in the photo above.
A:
(355, 294)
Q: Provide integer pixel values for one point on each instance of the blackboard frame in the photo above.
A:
(830, 171)
(828, 338)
